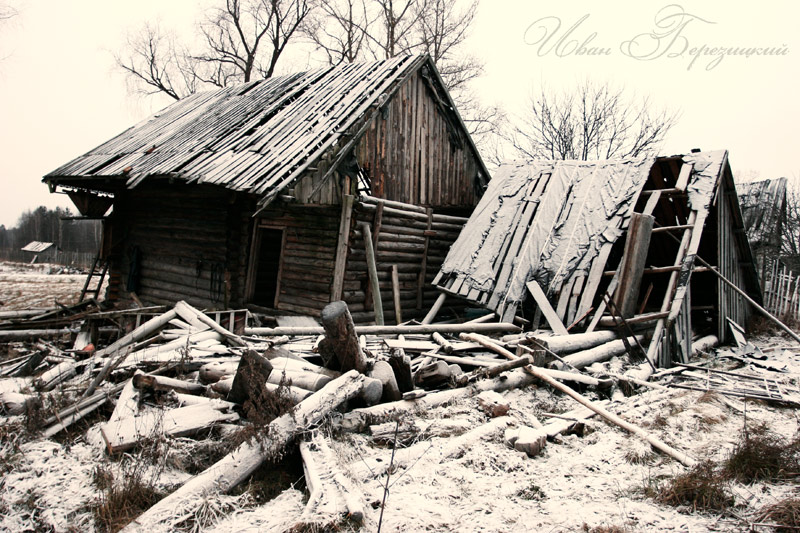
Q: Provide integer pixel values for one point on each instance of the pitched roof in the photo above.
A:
(255, 138)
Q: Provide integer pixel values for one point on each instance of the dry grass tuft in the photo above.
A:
(783, 515)
(703, 487)
(604, 529)
(762, 454)
(124, 496)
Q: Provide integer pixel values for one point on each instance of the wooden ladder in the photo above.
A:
(98, 270)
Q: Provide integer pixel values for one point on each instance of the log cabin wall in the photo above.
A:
(305, 259)
(171, 243)
(414, 153)
(415, 239)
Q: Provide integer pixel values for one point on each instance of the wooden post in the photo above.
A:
(398, 310)
(637, 245)
(434, 309)
(424, 268)
(373, 273)
(341, 247)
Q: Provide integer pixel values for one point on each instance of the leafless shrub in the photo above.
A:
(703, 487)
(783, 515)
(763, 454)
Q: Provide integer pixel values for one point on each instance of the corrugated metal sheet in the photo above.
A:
(36, 246)
(255, 138)
(546, 221)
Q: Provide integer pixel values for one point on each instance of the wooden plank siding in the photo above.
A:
(414, 154)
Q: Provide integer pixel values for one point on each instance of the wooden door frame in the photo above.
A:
(255, 248)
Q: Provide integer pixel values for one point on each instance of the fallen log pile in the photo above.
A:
(179, 372)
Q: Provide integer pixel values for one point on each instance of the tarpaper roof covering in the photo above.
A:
(255, 138)
(547, 220)
(764, 209)
(36, 246)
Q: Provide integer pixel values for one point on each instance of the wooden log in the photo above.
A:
(612, 322)
(58, 374)
(359, 419)
(340, 345)
(295, 394)
(185, 310)
(373, 467)
(14, 403)
(298, 378)
(163, 383)
(377, 303)
(398, 310)
(564, 344)
(409, 329)
(704, 344)
(435, 308)
(240, 464)
(136, 335)
(401, 366)
(352, 499)
(128, 401)
(383, 371)
(252, 374)
(493, 404)
(614, 419)
(604, 352)
(216, 370)
(292, 363)
(124, 434)
(441, 341)
(32, 334)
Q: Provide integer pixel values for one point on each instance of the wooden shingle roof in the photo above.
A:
(255, 138)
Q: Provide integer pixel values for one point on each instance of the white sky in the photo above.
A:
(60, 97)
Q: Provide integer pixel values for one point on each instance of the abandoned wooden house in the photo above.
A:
(255, 194)
(764, 211)
(642, 237)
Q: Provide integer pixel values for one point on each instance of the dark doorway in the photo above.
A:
(267, 268)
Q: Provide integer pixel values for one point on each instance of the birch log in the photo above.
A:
(240, 464)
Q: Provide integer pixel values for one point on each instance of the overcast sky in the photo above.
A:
(60, 96)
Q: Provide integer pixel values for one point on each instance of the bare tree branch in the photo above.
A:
(241, 40)
(595, 121)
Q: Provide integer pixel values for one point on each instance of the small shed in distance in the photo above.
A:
(253, 194)
(40, 252)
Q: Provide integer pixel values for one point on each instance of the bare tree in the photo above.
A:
(790, 240)
(339, 29)
(595, 121)
(240, 40)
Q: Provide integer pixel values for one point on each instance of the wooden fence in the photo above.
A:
(60, 257)
(782, 292)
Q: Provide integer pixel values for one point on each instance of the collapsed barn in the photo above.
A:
(258, 194)
(651, 239)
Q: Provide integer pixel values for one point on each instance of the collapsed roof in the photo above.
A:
(559, 223)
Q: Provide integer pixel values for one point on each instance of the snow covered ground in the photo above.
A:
(594, 482)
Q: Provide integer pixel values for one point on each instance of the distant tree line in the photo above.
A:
(51, 225)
